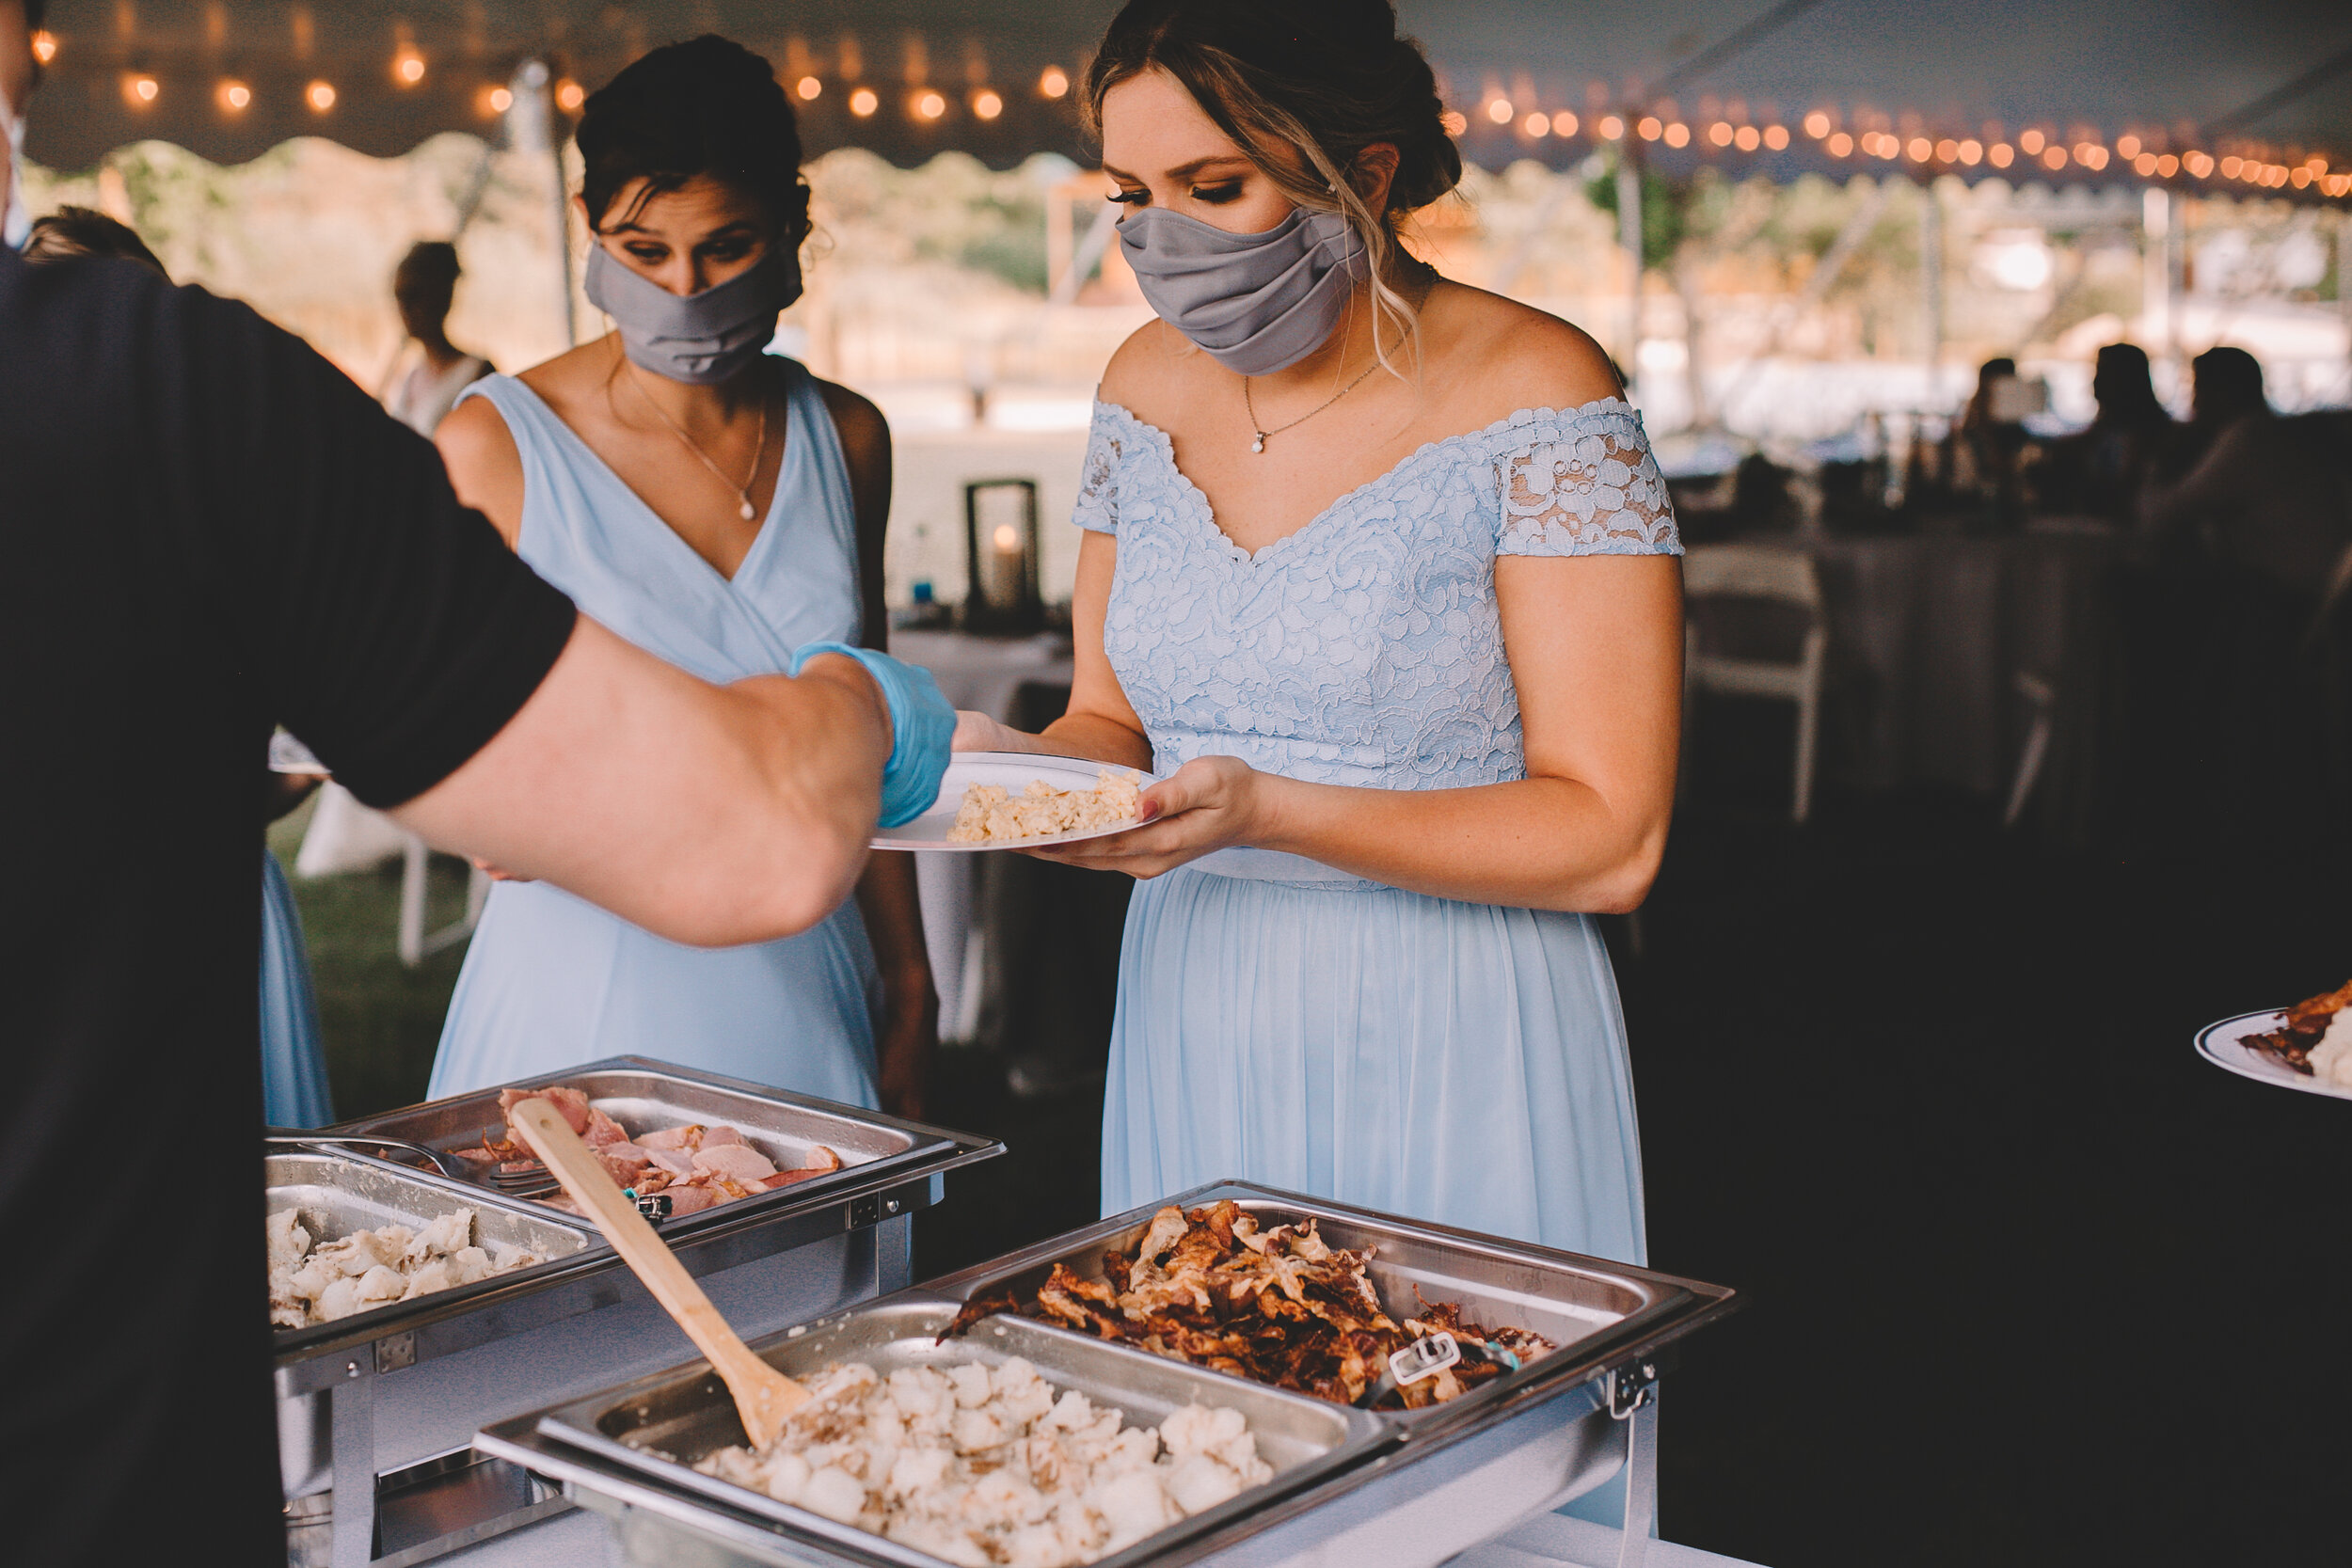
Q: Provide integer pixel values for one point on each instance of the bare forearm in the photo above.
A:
(708, 815)
(1553, 844)
(1097, 739)
(886, 898)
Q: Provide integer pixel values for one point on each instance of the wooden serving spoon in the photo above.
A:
(763, 1396)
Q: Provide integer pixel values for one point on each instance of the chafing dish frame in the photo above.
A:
(1592, 1378)
(347, 1357)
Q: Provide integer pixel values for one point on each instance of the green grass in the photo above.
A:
(380, 1020)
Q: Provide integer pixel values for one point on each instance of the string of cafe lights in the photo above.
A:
(407, 68)
(2031, 150)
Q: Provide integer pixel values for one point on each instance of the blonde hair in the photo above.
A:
(1323, 79)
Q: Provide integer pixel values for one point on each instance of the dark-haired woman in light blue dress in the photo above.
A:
(1379, 570)
(719, 507)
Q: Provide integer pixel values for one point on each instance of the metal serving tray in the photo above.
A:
(396, 1392)
(661, 1427)
(1585, 1305)
(336, 1195)
(1441, 1480)
(647, 1096)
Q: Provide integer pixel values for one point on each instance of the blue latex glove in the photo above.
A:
(921, 724)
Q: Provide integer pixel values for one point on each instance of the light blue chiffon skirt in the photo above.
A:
(1454, 1062)
(552, 981)
(293, 1068)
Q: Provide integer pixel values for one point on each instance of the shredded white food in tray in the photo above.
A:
(983, 1467)
(368, 1268)
(990, 814)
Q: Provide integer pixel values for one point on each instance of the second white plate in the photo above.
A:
(1014, 770)
(2224, 1045)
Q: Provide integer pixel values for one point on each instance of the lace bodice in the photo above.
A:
(1364, 648)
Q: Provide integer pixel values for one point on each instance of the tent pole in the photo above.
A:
(532, 127)
(2155, 270)
(1629, 238)
(1931, 288)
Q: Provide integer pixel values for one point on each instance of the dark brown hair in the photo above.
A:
(709, 106)
(72, 231)
(1323, 78)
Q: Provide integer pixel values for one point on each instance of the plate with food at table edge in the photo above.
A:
(2238, 1045)
(1078, 786)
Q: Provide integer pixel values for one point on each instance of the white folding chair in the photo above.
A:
(1781, 577)
(416, 943)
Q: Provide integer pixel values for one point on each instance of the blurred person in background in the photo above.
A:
(209, 529)
(294, 1090)
(718, 506)
(2100, 470)
(2259, 501)
(1988, 443)
(431, 371)
(1379, 568)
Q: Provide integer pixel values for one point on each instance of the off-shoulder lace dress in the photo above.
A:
(1299, 1026)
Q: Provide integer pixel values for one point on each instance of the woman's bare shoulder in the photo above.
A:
(485, 467)
(1529, 357)
(864, 430)
(1154, 374)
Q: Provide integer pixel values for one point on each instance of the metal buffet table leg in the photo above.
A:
(352, 1404)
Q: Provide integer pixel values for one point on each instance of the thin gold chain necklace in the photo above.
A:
(743, 491)
(1258, 436)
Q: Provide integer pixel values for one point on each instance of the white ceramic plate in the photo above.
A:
(2224, 1045)
(1012, 769)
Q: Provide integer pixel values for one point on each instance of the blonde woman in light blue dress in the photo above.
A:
(1378, 569)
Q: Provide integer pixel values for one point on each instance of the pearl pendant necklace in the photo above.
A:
(759, 449)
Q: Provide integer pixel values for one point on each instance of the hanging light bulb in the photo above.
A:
(320, 96)
(1054, 81)
(2000, 155)
(1536, 125)
(1840, 145)
(1817, 125)
(986, 104)
(864, 102)
(1650, 128)
(1611, 128)
(929, 104)
(1775, 138)
(232, 96)
(1498, 110)
(1747, 138)
(1972, 153)
(569, 96)
(45, 46)
(408, 66)
(1564, 124)
(1678, 134)
(493, 101)
(808, 87)
(139, 89)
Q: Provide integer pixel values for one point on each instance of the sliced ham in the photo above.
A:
(672, 1138)
(625, 1161)
(691, 1201)
(570, 1102)
(669, 1160)
(736, 1162)
(603, 1131)
(721, 1134)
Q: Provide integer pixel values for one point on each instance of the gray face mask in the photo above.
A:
(1257, 303)
(702, 339)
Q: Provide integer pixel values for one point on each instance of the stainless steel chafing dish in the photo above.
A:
(1391, 1490)
(402, 1387)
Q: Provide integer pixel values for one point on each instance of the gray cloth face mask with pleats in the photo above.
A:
(1256, 302)
(701, 339)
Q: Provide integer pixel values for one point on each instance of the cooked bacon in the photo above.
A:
(1279, 1305)
(674, 1139)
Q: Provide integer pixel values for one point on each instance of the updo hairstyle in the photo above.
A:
(709, 106)
(1324, 78)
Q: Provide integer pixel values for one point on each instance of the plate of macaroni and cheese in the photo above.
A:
(1017, 800)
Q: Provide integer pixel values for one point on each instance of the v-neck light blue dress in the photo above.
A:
(1290, 1023)
(552, 980)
